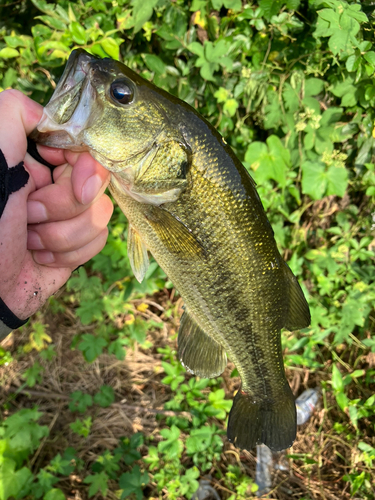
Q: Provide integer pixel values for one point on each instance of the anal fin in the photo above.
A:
(137, 253)
(299, 312)
(197, 351)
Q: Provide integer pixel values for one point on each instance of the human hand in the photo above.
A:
(46, 230)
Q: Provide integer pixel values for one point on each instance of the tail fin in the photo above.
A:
(254, 422)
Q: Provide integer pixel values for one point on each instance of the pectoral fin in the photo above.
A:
(299, 313)
(137, 253)
(172, 232)
(197, 351)
(158, 192)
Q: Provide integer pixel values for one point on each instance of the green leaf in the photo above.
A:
(45, 7)
(8, 53)
(230, 107)
(270, 7)
(142, 12)
(105, 397)
(52, 22)
(221, 95)
(337, 380)
(54, 494)
(342, 401)
(33, 375)
(314, 179)
(22, 430)
(370, 58)
(10, 78)
(207, 71)
(132, 483)
(331, 116)
(63, 465)
(80, 401)
(99, 482)
(172, 446)
(219, 50)
(45, 481)
(235, 5)
(291, 97)
(111, 48)
(117, 348)
(196, 48)
(12, 481)
(353, 10)
(269, 163)
(272, 111)
(78, 33)
(16, 41)
(337, 181)
(218, 401)
(293, 4)
(155, 64)
(81, 427)
(309, 140)
(323, 143)
(353, 62)
(91, 346)
(98, 50)
(313, 86)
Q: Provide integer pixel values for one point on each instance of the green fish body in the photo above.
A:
(194, 207)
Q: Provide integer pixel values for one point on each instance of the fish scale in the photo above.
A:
(194, 207)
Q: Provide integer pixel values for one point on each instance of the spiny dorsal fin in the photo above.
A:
(137, 253)
(172, 232)
(197, 351)
(299, 313)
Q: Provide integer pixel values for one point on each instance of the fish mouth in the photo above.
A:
(68, 112)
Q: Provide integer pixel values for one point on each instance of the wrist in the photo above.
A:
(8, 320)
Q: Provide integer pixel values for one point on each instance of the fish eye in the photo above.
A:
(121, 92)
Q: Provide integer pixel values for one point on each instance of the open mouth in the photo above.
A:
(67, 114)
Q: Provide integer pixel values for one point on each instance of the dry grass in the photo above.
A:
(140, 396)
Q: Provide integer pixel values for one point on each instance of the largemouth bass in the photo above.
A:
(191, 203)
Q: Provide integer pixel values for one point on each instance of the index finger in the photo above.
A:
(19, 116)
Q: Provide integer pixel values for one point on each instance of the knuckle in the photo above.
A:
(10, 94)
(57, 238)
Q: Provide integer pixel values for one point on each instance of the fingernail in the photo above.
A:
(91, 189)
(44, 257)
(36, 212)
(33, 241)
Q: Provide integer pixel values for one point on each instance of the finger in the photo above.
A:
(52, 155)
(19, 116)
(69, 235)
(63, 200)
(88, 177)
(57, 202)
(72, 259)
(40, 173)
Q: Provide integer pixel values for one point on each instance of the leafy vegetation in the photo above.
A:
(290, 86)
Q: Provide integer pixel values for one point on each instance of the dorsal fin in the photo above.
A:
(298, 313)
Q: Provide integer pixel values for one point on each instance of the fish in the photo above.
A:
(191, 203)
